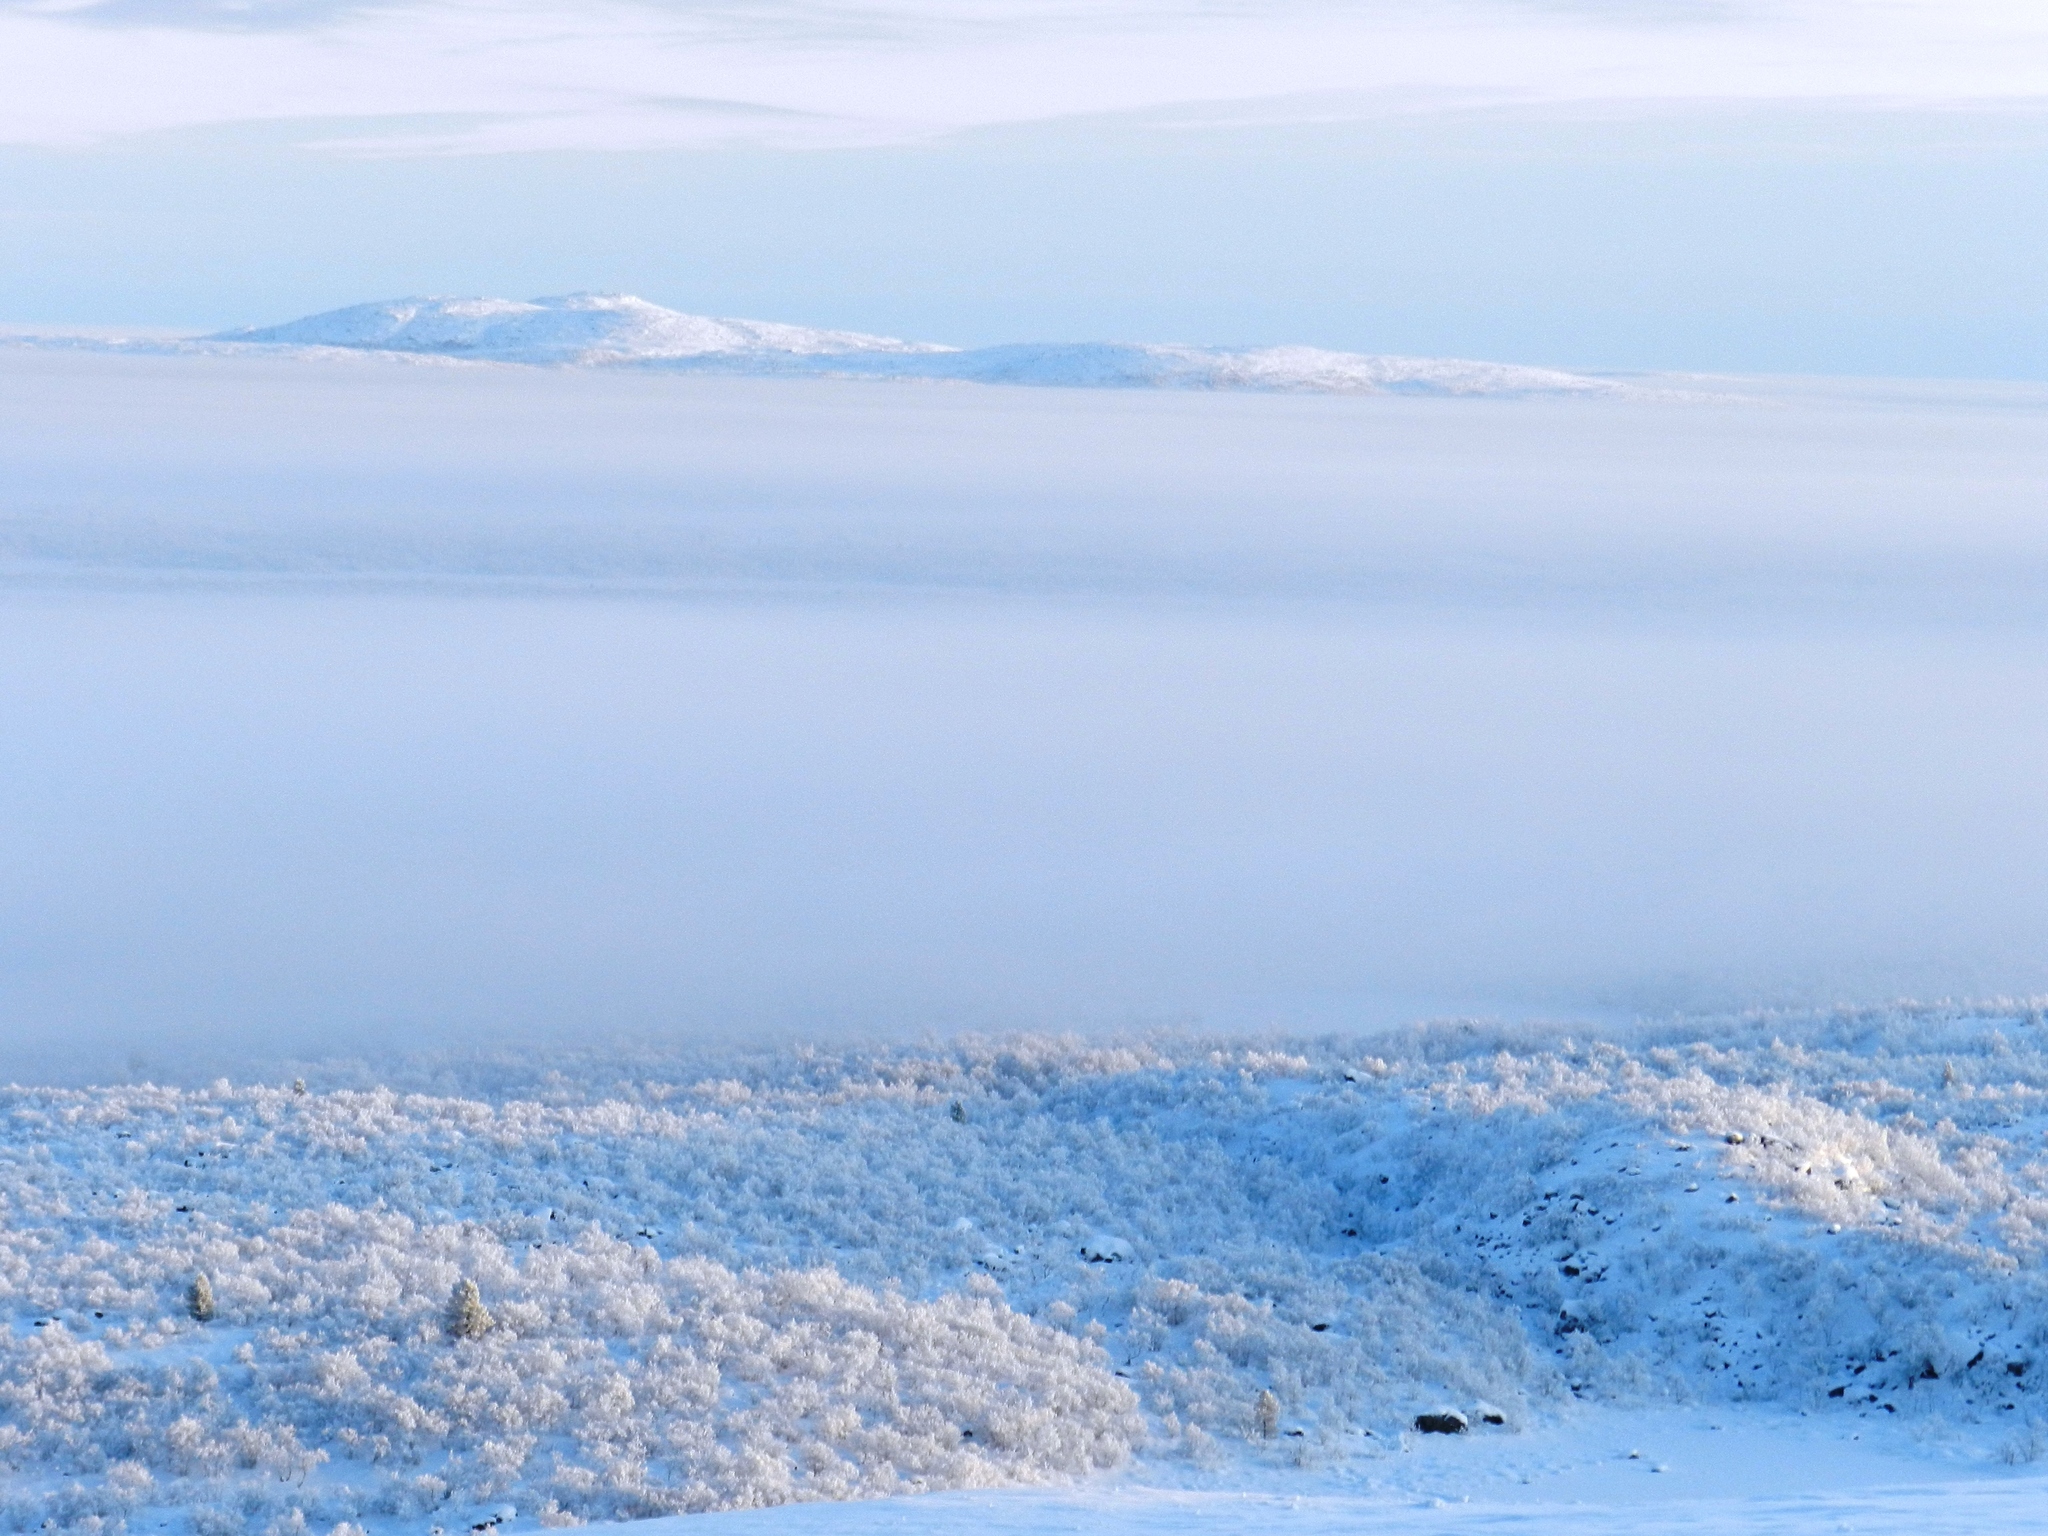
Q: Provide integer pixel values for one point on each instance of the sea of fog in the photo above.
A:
(349, 704)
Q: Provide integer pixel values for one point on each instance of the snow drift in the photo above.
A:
(732, 1281)
(614, 330)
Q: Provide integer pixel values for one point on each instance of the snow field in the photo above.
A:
(1958, 1507)
(727, 1282)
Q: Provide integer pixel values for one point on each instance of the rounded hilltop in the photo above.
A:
(569, 328)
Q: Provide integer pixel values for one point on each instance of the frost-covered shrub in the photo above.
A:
(2025, 1446)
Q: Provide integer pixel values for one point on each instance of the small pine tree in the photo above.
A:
(199, 1300)
(1267, 1412)
(468, 1318)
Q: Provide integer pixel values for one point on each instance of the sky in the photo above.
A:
(1807, 187)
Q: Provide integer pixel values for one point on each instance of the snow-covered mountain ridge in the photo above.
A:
(595, 330)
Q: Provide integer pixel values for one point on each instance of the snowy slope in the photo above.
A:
(608, 329)
(733, 1280)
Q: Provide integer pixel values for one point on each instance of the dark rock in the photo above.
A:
(1440, 1423)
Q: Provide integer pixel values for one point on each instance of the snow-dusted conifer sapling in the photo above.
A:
(1266, 1414)
(468, 1318)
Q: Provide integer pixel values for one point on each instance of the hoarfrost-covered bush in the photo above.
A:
(615, 1384)
(716, 1283)
(2025, 1446)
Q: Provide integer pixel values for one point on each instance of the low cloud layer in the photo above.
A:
(369, 702)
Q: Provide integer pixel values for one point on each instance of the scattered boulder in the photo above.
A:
(1103, 1249)
(1448, 1422)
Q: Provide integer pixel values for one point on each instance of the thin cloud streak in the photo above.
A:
(639, 76)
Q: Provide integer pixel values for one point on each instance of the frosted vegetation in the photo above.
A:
(624, 1284)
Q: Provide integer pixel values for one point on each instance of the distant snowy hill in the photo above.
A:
(1111, 365)
(610, 329)
(577, 328)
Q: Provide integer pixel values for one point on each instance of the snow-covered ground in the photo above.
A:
(1759, 1474)
(1633, 1472)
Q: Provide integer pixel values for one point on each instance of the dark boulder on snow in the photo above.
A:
(1104, 1249)
(1448, 1423)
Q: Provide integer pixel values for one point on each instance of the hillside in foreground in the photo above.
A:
(719, 1282)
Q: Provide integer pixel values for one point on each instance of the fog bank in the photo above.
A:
(368, 707)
